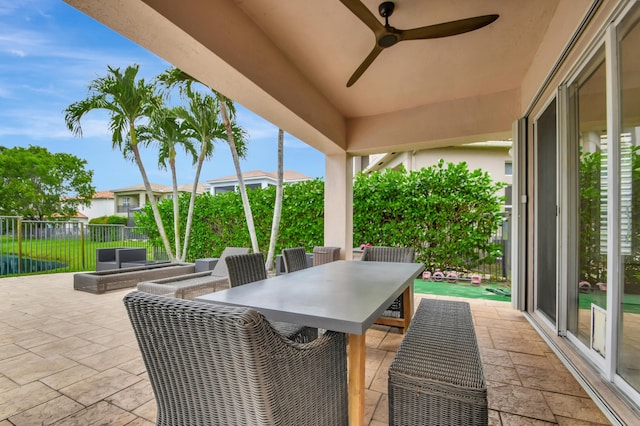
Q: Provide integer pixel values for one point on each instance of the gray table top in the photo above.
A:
(345, 296)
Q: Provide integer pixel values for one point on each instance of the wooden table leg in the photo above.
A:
(407, 301)
(356, 359)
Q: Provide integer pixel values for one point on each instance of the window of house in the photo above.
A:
(508, 168)
(222, 189)
(508, 198)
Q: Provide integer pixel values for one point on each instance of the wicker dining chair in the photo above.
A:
(211, 364)
(295, 259)
(390, 254)
(247, 268)
(322, 255)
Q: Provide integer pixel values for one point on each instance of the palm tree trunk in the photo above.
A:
(236, 163)
(192, 199)
(176, 207)
(277, 209)
(152, 200)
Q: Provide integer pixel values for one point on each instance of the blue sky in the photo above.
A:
(49, 52)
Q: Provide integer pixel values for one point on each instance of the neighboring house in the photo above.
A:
(252, 180)
(101, 205)
(78, 218)
(131, 198)
(493, 157)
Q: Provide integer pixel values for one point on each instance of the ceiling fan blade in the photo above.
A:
(364, 14)
(364, 65)
(447, 29)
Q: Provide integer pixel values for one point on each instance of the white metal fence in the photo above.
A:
(33, 246)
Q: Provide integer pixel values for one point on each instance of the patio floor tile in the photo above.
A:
(70, 358)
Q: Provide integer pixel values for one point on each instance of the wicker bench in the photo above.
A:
(436, 376)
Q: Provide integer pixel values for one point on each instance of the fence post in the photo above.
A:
(19, 244)
(122, 234)
(82, 244)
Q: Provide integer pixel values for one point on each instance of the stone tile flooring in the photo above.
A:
(70, 358)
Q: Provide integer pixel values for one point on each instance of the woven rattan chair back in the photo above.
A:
(390, 254)
(245, 268)
(295, 259)
(322, 255)
(218, 365)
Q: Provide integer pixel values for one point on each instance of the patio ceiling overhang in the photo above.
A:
(289, 61)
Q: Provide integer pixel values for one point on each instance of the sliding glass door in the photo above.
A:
(629, 184)
(587, 298)
(546, 209)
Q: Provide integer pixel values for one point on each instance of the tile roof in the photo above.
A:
(288, 176)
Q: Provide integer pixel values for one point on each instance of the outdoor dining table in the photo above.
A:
(343, 296)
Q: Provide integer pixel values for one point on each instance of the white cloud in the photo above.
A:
(45, 123)
(20, 53)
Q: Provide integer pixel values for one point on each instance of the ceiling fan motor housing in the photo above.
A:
(386, 8)
(387, 40)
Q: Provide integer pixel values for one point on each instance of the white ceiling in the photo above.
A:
(289, 61)
(326, 42)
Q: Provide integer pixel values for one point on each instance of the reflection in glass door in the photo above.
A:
(546, 208)
(629, 184)
(588, 297)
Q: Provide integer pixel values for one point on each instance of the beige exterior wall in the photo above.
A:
(491, 160)
(99, 207)
(489, 157)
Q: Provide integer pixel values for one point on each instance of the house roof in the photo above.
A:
(103, 195)
(76, 215)
(156, 187)
(288, 176)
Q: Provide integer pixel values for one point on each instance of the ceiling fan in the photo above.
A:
(387, 36)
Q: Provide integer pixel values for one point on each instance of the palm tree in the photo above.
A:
(235, 137)
(201, 119)
(129, 102)
(168, 132)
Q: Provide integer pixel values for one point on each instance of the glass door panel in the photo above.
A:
(546, 274)
(588, 296)
(629, 184)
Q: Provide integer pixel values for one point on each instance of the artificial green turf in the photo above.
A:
(459, 289)
(631, 303)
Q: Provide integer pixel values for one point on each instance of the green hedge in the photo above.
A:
(446, 212)
(109, 220)
(219, 221)
(106, 234)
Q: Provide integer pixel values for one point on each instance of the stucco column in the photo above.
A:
(338, 203)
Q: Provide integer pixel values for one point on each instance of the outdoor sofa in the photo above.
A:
(99, 282)
(118, 257)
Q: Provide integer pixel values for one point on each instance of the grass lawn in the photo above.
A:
(72, 253)
(459, 289)
(630, 302)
